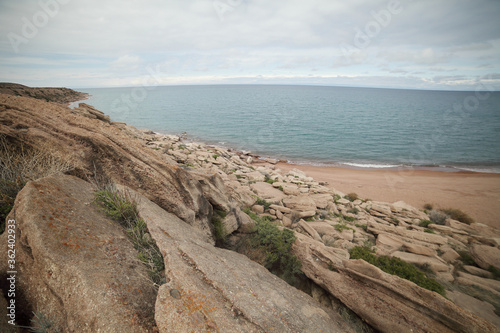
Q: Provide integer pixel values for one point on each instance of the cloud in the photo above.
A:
(248, 38)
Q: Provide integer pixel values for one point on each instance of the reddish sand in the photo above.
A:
(477, 194)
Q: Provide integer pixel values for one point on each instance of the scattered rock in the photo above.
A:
(485, 256)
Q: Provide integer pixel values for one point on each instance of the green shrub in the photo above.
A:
(269, 180)
(425, 223)
(121, 208)
(429, 231)
(466, 258)
(428, 206)
(336, 198)
(349, 218)
(277, 245)
(362, 226)
(342, 227)
(264, 203)
(219, 232)
(457, 214)
(397, 267)
(215, 156)
(280, 188)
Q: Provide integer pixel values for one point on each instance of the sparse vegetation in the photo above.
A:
(41, 324)
(342, 227)
(429, 231)
(349, 218)
(362, 226)
(269, 180)
(425, 223)
(219, 231)
(457, 214)
(276, 246)
(123, 209)
(466, 258)
(264, 203)
(336, 198)
(215, 156)
(280, 188)
(397, 267)
(20, 164)
(428, 207)
(351, 196)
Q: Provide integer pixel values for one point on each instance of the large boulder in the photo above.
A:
(301, 203)
(74, 264)
(485, 256)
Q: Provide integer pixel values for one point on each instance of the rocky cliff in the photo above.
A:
(57, 95)
(79, 267)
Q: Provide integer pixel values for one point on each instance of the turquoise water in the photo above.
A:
(360, 127)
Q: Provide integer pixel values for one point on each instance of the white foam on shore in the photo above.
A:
(371, 165)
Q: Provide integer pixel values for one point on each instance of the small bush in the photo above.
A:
(466, 258)
(121, 208)
(269, 180)
(349, 218)
(277, 245)
(458, 215)
(215, 156)
(20, 164)
(336, 198)
(219, 232)
(264, 203)
(342, 227)
(429, 231)
(437, 217)
(351, 196)
(396, 266)
(428, 206)
(280, 188)
(41, 324)
(425, 223)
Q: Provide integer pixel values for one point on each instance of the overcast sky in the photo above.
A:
(424, 44)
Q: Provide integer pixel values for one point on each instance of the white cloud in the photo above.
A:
(289, 39)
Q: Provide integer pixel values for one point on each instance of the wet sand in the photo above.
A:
(477, 194)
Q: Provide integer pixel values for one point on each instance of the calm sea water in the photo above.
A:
(360, 127)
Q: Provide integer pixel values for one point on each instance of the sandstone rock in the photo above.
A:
(381, 209)
(300, 203)
(258, 209)
(435, 264)
(321, 200)
(287, 222)
(267, 191)
(74, 264)
(378, 228)
(246, 223)
(309, 213)
(480, 282)
(387, 303)
(282, 209)
(222, 290)
(113, 152)
(230, 222)
(485, 256)
(418, 249)
(313, 233)
(255, 176)
(478, 271)
(474, 305)
(290, 189)
(324, 228)
(450, 255)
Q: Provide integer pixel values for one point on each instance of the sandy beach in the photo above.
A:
(477, 194)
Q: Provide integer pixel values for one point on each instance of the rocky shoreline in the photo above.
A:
(76, 265)
(341, 224)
